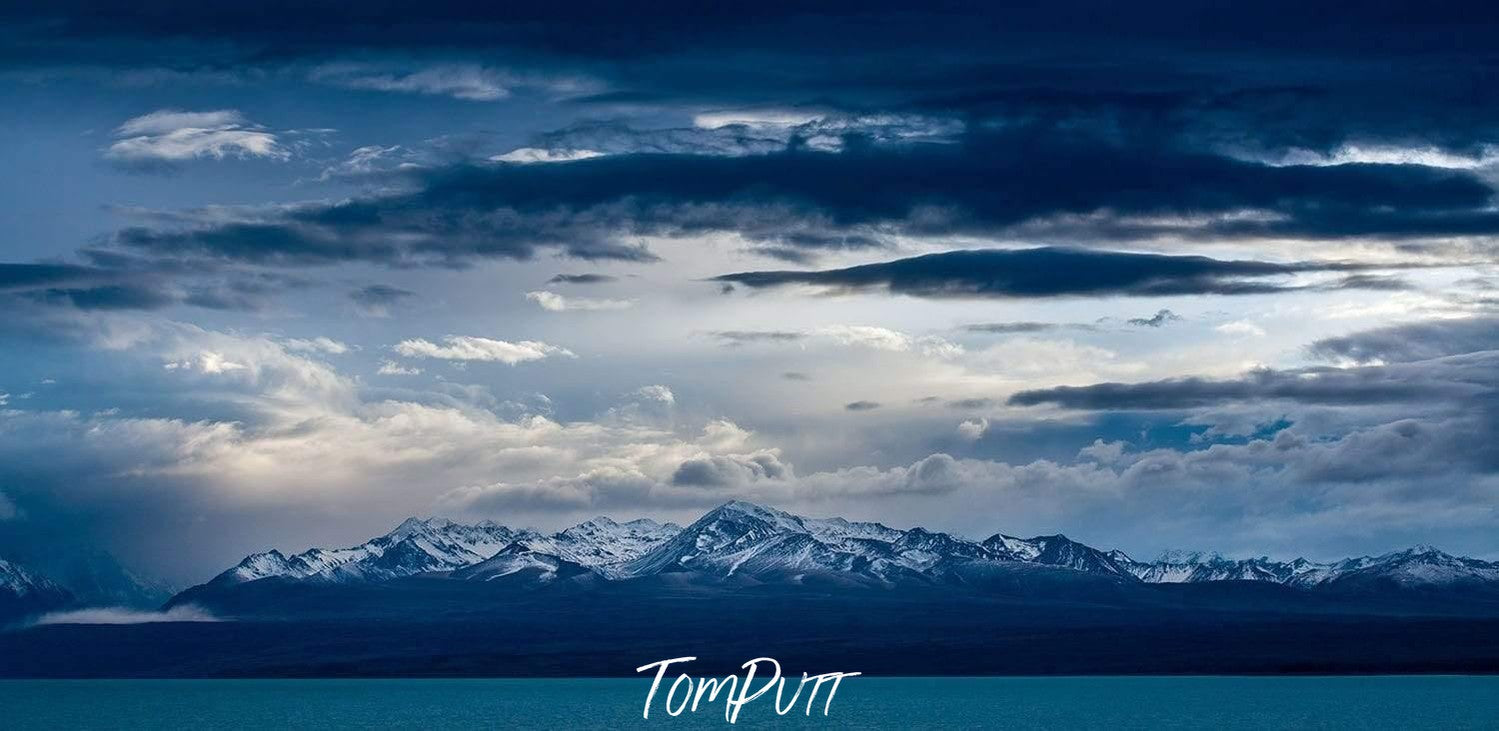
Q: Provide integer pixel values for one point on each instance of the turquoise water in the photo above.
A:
(905, 703)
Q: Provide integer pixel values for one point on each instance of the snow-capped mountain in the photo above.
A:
(437, 545)
(740, 539)
(414, 547)
(1421, 566)
(23, 592)
(1059, 550)
(745, 541)
(1181, 567)
(599, 545)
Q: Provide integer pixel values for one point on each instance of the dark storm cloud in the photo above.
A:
(1412, 342)
(729, 470)
(743, 337)
(83, 287)
(1372, 281)
(110, 297)
(115, 281)
(807, 200)
(1281, 69)
(581, 279)
(1451, 378)
(861, 406)
(1159, 319)
(380, 295)
(1049, 272)
(17, 277)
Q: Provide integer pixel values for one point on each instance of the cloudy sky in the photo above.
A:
(1153, 276)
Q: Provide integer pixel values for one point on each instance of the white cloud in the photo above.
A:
(466, 348)
(553, 302)
(645, 406)
(656, 393)
(973, 429)
(207, 362)
(1042, 360)
(1430, 156)
(881, 338)
(537, 154)
(1241, 328)
(369, 159)
(170, 136)
(263, 371)
(317, 345)
(471, 82)
(392, 368)
(754, 118)
(1102, 452)
(170, 120)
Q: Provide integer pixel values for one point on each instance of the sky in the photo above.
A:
(1155, 277)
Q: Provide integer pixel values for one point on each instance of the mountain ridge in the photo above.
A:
(747, 542)
(23, 592)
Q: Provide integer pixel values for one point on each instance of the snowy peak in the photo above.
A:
(602, 543)
(750, 514)
(1012, 548)
(1059, 550)
(24, 592)
(19, 582)
(257, 566)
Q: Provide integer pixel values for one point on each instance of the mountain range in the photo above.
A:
(435, 597)
(743, 542)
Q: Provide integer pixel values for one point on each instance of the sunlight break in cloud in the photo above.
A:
(170, 135)
(465, 347)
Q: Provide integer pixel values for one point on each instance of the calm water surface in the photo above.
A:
(1009, 703)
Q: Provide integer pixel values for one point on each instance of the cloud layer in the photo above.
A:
(1052, 272)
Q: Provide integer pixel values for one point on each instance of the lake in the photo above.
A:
(1410, 702)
